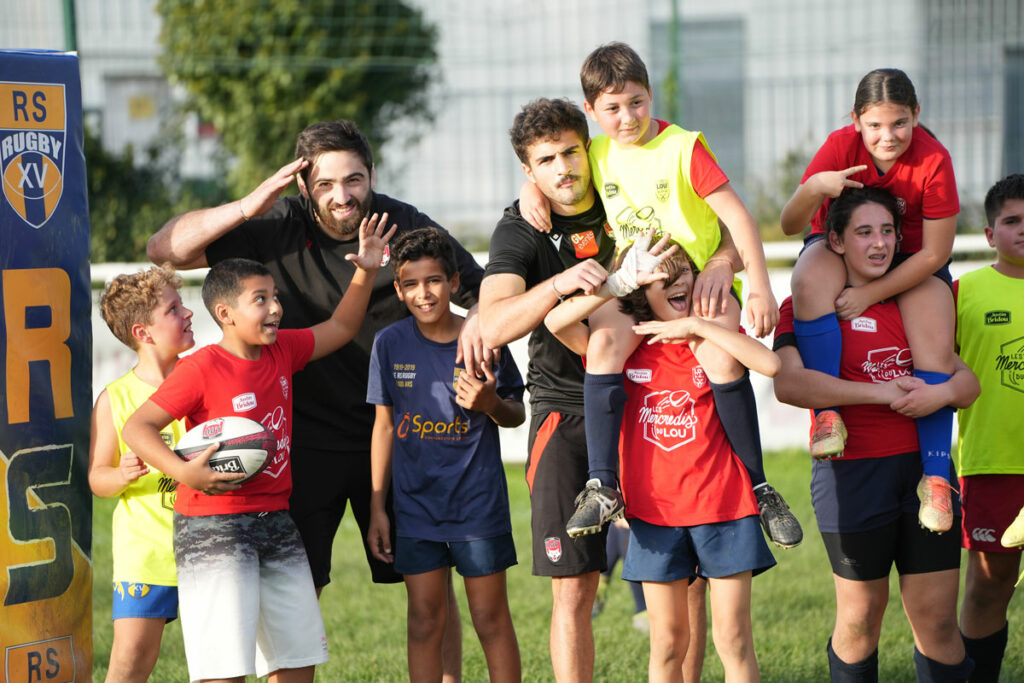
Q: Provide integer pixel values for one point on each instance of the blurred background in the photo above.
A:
(193, 103)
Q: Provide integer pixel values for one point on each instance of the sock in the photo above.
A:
(737, 410)
(935, 431)
(930, 671)
(820, 343)
(987, 654)
(604, 400)
(864, 671)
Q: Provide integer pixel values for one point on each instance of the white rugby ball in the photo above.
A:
(246, 446)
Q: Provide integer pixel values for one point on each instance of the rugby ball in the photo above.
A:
(246, 446)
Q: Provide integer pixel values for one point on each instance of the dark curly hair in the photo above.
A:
(635, 303)
(423, 243)
(545, 119)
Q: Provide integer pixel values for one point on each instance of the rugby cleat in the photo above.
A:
(1014, 534)
(779, 524)
(596, 505)
(936, 512)
(829, 436)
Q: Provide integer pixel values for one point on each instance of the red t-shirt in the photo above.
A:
(677, 467)
(214, 383)
(875, 349)
(921, 179)
(706, 175)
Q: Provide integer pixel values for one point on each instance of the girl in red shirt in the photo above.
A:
(883, 147)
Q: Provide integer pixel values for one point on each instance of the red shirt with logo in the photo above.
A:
(921, 179)
(677, 467)
(875, 349)
(214, 383)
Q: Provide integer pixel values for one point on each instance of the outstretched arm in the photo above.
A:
(343, 325)
(183, 240)
(749, 352)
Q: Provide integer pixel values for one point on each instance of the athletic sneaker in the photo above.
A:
(1014, 534)
(596, 505)
(936, 513)
(780, 526)
(829, 436)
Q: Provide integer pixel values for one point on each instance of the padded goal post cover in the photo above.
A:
(45, 371)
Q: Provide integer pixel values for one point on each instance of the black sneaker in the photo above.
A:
(596, 505)
(780, 526)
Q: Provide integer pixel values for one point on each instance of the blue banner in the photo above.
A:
(45, 372)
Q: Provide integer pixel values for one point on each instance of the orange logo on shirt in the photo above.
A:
(584, 243)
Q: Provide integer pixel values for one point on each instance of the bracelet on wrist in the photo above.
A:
(561, 297)
(242, 211)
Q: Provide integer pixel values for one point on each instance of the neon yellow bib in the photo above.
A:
(990, 335)
(143, 530)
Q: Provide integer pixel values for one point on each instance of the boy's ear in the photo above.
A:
(454, 282)
(836, 243)
(589, 109)
(398, 290)
(141, 334)
(222, 314)
(990, 235)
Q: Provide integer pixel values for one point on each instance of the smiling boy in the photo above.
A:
(240, 549)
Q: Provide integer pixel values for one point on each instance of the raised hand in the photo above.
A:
(372, 240)
(639, 265)
(259, 201)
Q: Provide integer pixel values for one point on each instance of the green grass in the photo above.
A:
(793, 611)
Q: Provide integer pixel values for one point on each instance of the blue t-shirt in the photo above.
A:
(447, 476)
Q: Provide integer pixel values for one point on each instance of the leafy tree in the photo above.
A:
(128, 203)
(262, 70)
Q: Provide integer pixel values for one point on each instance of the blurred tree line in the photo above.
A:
(260, 71)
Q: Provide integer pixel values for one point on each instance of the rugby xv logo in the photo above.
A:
(32, 134)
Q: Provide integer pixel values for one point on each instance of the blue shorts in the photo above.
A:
(144, 601)
(850, 496)
(470, 558)
(671, 553)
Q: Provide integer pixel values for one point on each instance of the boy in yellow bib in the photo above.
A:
(144, 311)
(654, 175)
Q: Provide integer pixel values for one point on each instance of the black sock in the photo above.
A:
(987, 654)
(604, 400)
(930, 671)
(737, 410)
(864, 671)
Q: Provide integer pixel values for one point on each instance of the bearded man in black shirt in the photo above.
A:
(304, 241)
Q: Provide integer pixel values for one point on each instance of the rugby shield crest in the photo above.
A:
(32, 135)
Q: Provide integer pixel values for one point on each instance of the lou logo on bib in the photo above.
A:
(32, 150)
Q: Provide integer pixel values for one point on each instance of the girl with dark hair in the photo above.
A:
(883, 147)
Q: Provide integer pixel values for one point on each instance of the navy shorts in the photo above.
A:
(671, 553)
(850, 496)
(556, 471)
(942, 273)
(470, 558)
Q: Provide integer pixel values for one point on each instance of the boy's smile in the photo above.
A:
(426, 290)
(669, 302)
(624, 116)
(256, 315)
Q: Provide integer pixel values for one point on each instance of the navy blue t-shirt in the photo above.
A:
(447, 476)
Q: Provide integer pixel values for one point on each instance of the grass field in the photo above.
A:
(793, 611)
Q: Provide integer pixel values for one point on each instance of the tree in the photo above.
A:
(262, 70)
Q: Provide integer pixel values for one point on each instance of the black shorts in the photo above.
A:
(323, 482)
(556, 470)
(869, 555)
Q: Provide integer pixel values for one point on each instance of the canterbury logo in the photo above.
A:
(32, 149)
(986, 535)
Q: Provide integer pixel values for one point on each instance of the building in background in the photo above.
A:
(766, 80)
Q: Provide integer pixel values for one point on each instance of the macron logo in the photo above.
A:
(864, 325)
(244, 402)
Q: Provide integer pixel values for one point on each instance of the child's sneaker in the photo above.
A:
(1014, 534)
(780, 525)
(829, 436)
(596, 505)
(936, 513)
